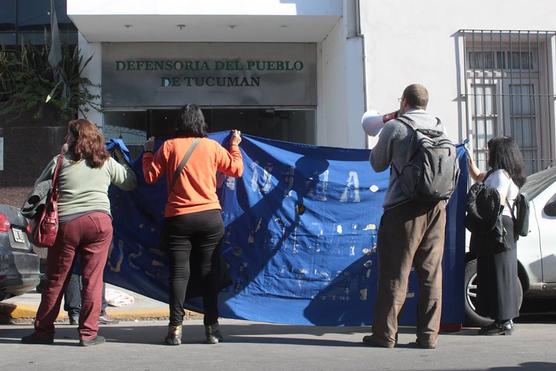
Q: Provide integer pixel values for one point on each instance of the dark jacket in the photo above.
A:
(36, 199)
(483, 219)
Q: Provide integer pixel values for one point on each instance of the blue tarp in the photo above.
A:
(300, 242)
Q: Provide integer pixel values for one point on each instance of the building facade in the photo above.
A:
(306, 70)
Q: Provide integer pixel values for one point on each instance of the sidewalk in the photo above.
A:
(22, 309)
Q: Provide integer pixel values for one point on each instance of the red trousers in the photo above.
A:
(90, 235)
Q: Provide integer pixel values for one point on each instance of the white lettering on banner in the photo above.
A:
(318, 188)
(351, 191)
(295, 250)
(267, 179)
(255, 177)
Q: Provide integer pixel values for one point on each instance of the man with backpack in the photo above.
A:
(423, 175)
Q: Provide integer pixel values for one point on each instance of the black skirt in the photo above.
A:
(497, 281)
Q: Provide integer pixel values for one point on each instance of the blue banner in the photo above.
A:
(300, 242)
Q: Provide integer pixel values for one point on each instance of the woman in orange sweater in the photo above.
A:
(192, 214)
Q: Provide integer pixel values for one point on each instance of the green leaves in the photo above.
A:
(29, 84)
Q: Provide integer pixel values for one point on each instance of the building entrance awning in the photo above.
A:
(205, 21)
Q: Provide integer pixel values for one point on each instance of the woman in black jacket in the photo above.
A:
(497, 289)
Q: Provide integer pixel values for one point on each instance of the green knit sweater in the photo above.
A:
(82, 189)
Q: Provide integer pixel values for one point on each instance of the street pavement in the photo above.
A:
(137, 344)
(254, 346)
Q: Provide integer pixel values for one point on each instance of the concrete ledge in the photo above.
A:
(11, 311)
(17, 312)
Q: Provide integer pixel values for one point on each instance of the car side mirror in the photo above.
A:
(550, 207)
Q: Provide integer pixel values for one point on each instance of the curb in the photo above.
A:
(10, 311)
(13, 312)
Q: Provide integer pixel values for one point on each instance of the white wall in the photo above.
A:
(341, 89)
(93, 71)
(413, 41)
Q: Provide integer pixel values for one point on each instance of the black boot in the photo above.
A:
(34, 338)
(174, 335)
(212, 333)
(498, 328)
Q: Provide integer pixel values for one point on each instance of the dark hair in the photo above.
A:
(88, 144)
(504, 153)
(191, 122)
(416, 96)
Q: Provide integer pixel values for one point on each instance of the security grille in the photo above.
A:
(508, 91)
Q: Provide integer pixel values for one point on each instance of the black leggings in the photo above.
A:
(198, 233)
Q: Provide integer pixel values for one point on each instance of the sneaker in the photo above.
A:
(94, 341)
(105, 320)
(373, 341)
(34, 338)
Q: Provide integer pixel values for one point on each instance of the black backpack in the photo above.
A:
(482, 207)
(520, 214)
(432, 170)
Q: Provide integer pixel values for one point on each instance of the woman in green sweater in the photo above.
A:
(85, 227)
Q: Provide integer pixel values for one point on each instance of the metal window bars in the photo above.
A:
(508, 89)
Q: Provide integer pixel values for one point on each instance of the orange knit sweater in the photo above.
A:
(195, 189)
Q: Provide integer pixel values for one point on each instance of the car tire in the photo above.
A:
(472, 318)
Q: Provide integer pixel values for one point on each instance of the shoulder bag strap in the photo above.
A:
(409, 123)
(508, 204)
(184, 162)
(56, 175)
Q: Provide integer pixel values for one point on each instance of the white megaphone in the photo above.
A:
(373, 121)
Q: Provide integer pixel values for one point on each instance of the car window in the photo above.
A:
(537, 182)
(550, 207)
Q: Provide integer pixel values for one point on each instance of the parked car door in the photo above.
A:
(545, 205)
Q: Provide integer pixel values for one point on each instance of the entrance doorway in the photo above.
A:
(287, 125)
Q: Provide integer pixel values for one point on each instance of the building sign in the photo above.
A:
(211, 74)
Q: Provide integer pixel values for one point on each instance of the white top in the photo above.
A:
(501, 181)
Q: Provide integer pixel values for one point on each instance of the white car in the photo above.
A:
(536, 253)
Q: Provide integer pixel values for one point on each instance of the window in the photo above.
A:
(7, 15)
(506, 91)
(25, 21)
